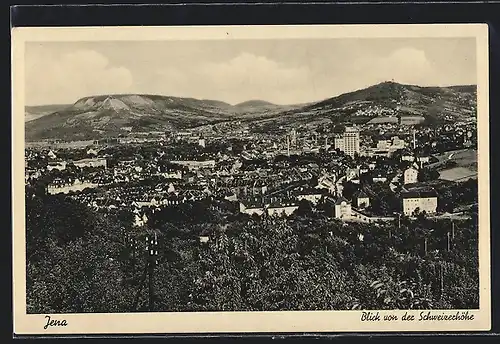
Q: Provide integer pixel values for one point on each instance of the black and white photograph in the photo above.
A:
(248, 175)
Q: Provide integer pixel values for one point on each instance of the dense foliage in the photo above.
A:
(80, 260)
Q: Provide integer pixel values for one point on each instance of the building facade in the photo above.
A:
(419, 200)
(348, 142)
(193, 164)
(361, 200)
(90, 162)
(351, 141)
(339, 142)
(343, 209)
(64, 188)
(410, 176)
(59, 165)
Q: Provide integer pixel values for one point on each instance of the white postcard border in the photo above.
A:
(241, 322)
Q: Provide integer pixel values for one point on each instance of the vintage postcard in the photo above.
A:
(268, 179)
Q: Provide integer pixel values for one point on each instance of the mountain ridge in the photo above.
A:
(104, 115)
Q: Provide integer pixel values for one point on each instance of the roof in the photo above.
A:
(89, 160)
(283, 204)
(252, 203)
(309, 191)
(424, 192)
(340, 200)
(360, 194)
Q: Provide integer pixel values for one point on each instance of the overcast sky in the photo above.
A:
(279, 71)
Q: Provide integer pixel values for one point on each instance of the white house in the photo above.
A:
(311, 197)
(59, 165)
(423, 200)
(379, 178)
(326, 182)
(420, 159)
(352, 173)
(140, 221)
(171, 188)
(361, 200)
(251, 209)
(90, 162)
(343, 209)
(76, 186)
(286, 209)
(410, 175)
(172, 174)
(51, 155)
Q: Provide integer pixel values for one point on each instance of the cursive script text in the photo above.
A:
(53, 322)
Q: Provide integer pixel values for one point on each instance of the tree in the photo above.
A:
(305, 208)
(304, 262)
(427, 174)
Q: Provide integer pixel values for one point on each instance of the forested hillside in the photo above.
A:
(80, 260)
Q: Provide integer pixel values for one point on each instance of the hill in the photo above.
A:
(387, 99)
(108, 115)
(34, 112)
(255, 104)
(93, 117)
(252, 110)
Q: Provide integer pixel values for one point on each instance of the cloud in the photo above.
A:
(282, 72)
(405, 65)
(249, 76)
(65, 78)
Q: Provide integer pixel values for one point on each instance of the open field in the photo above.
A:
(463, 158)
(457, 174)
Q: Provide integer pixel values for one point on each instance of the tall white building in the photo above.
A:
(339, 142)
(348, 142)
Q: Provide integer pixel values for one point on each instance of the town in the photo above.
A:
(370, 172)
(264, 175)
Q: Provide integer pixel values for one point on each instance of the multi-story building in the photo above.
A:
(383, 144)
(282, 208)
(193, 164)
(339, 143)
(348, 142)
(90, 162)
(57, 165)
(386, 147)
(343, 209)
(421, 200)
(57, 187)
(411, 120)
(410, 175)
